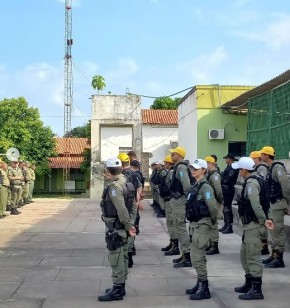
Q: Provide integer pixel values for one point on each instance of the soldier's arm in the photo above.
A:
(182, 175)
(262, 171)
(209, 198)
(281, 176)
(252, 190)
(216, 183)
(117, 198)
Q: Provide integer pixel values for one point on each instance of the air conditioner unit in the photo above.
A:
(216, 133)
(173, 144)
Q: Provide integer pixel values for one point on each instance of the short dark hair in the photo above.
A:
(271, 157)
(114, 170)
(135, 163)
(131, 153)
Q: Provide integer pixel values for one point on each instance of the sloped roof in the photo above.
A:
(75, 146)
(159, 117)
(63, 162)
(241, 102)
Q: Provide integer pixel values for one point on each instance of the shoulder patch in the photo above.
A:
(113, 192)
(279, 173)
(216, 178)
(249, 190)
(181, 174)
(208, 195)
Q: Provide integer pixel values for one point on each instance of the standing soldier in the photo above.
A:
(155, 204)
(279, 194)
(262, 169)
(164, 180)
(179, 188)
(32, 180)
(214, 179)
(117, 204)
(131, 177)
(229, 179)
(253, 209)
(26, 184)
(135, 165)
(4, 188)
(15, 177)
(201, 212)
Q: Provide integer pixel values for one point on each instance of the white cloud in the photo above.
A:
(274, 34)
(202, 68)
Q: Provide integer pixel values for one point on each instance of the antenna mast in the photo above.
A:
(68, 88)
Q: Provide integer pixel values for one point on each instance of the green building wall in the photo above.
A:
(235, 128)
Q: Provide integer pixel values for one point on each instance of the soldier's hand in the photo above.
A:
(269, 224)
(132, 231)
(140, 206)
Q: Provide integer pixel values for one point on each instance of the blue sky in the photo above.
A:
(152, 47)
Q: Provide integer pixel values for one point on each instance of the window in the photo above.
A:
(238, 148)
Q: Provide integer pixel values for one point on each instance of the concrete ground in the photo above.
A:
(53, 256)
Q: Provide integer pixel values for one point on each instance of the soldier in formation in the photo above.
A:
(279, 195)
(229, 179)
(201, 212)
(253, 209)
(117, 211)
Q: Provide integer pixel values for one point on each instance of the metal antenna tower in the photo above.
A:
(68, 88)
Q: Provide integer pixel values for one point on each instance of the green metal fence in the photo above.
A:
(269, 121)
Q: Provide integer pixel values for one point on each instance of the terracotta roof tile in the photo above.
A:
(75, 146)
(63, 162)
(159, 117)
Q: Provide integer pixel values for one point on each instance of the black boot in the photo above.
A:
(246, 286)
(14, 212)
(168, 247)
(177, 260)
(115, 294)
(222, 228)
(271, 258)
(123, 289)
(265, 249)
(228, 229)
(130, 259)
(186, 262)
(174, 251)
(133, 250)
(214, 249)
(202, 291)
(276, 262)
(193, 290)
(255, 292)
(161, 214)
(8, 208)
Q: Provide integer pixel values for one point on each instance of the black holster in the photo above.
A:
(113, 240)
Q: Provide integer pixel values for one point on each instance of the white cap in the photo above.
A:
(159, 162)
(198, 164)
(244, 163)
(113, 162)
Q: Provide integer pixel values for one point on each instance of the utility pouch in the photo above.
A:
(113, 240)
(176, 194)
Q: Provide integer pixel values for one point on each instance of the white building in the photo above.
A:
(119, 125)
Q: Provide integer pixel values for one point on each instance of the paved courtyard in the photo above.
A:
(53, 256)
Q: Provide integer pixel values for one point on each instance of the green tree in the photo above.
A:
(83, 132)
(165, 103)
(98, 82)
(21, 127)
(80, 131)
